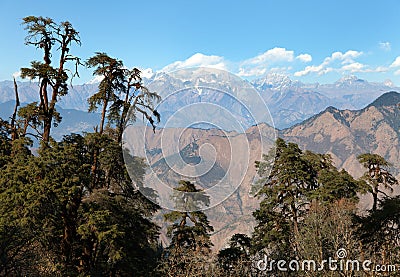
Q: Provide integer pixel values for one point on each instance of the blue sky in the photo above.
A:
(312, 41)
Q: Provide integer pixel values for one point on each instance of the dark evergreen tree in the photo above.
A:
(235, 259)
(18, 255)
(190, 228)
(379, 232)
(54, 220)
(285, 191)
(377, 176)
(190, 233)
(121, 93)
(55, 40)
(334, 185)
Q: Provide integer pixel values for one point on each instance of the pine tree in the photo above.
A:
(121, 93)
(377, 176)
(18, 255)
(235, 259)
(379, 232)
(285, 191)
(52, 38)
(190, 232)
(54, 220)
(334, 185)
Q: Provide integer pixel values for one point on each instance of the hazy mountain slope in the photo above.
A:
(233, 161)
(346, 133)
(28, 93)
(73, 121)
(342, 133)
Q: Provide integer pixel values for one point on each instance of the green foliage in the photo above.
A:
(381, 226)
(50, 211)
(236, 255)
(55, 41)
(337, 185)
(17, 213)
(296, 179)
(370, 160)
(379, 232)
(72, 209)
(121, 93)
(113, 77)
(377, 176)
(190, 233)
(285, 191)
(190, 228)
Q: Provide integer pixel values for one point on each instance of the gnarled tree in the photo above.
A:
(121, 92)
(377, 175)
(55, 40)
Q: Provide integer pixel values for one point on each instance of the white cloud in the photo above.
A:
(359, 67)
(353, 67)
(386, 46)
(304, 58)
(381, 69)
(261, 64)
(197, 60)
(396, 62)
(319, 69)
(282, 60)
(347, 57)
(272, 55)
(344, 58)
(252, 72)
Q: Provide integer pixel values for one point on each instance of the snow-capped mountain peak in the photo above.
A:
(389, 83)
(276, 82)
(277, 79)
(349, 80)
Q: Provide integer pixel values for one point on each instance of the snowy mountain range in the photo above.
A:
(288, 101)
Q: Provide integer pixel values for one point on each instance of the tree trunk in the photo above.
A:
(295, 229)
(124, 113)
(375, 202)
(14, 133)
(46, 128)
(96, 150)
(103, 116)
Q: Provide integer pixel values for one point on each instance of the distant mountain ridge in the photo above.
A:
(292, 102)
(28, 92)
(73, 121)
(289, 101)
(386, 99)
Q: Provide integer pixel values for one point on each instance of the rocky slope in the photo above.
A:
(342, 133)
(347, 133)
